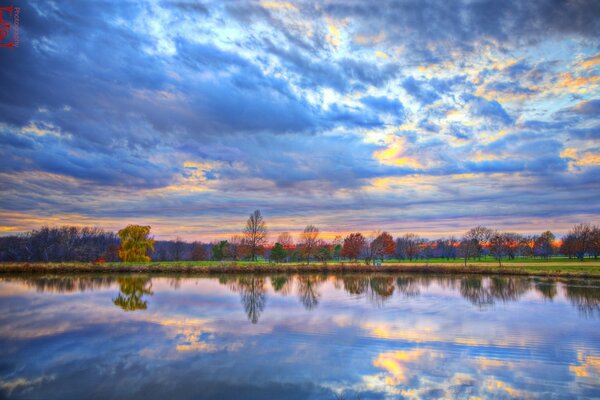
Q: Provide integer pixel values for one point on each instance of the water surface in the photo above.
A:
(298, 337)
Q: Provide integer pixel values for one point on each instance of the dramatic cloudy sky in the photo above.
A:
(405, 116)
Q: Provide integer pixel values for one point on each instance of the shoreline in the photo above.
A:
(241, 268)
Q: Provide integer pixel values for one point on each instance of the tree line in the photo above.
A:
(134, 243)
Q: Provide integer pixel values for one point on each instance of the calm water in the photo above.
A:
(298, 337)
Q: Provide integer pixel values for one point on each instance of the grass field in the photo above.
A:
(554, 267)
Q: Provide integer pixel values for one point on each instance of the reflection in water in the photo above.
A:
(472, 289)
(132, 289)
(584, 296)
(376, 336)
(282, 284)
(508, 288)
(479, 290)
(308, 289)
(546, 287)
(355, 284)
(382, 288)
(252, 290)
(485, 291)
(66, 284)
(408, 286)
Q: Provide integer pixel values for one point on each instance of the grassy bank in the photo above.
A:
(563, 267)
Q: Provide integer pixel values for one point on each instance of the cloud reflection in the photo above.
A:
(372, 336)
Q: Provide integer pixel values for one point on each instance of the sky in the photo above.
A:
(406, 116)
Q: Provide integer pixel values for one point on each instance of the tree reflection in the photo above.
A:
(252, 292)
(585, 296)
(483, 292)
(547, 288)
(472, 289)
(408, 286)
(132, 290)
(382, 288)
(355, 284)
(282, 284)
(66, 284)
(308, 290)
(508, 288)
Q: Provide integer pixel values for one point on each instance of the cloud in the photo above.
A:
(385, 105)
(589, 108)
(418, 90)
(106, 102)
(488, 109)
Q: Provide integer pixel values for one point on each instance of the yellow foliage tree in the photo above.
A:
(135, 243)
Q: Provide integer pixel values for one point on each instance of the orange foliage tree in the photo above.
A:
(354, 244)
(383, 245)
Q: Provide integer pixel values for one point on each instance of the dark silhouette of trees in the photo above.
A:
(499, 244)
(178, 249)
(594, 246)
(544, 245)
(445, 248)
(60, 244)
(255, 234)
(408, 246)
(579, 241)
(473, 242)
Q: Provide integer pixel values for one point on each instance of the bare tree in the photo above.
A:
(286, 240)
(595, 241)
(473, 242)
(499, 245)
(255, 234)
(178, 248)
(408, 246)
(309, 242)
(583, 235)
(544, 245)
(235, 247)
